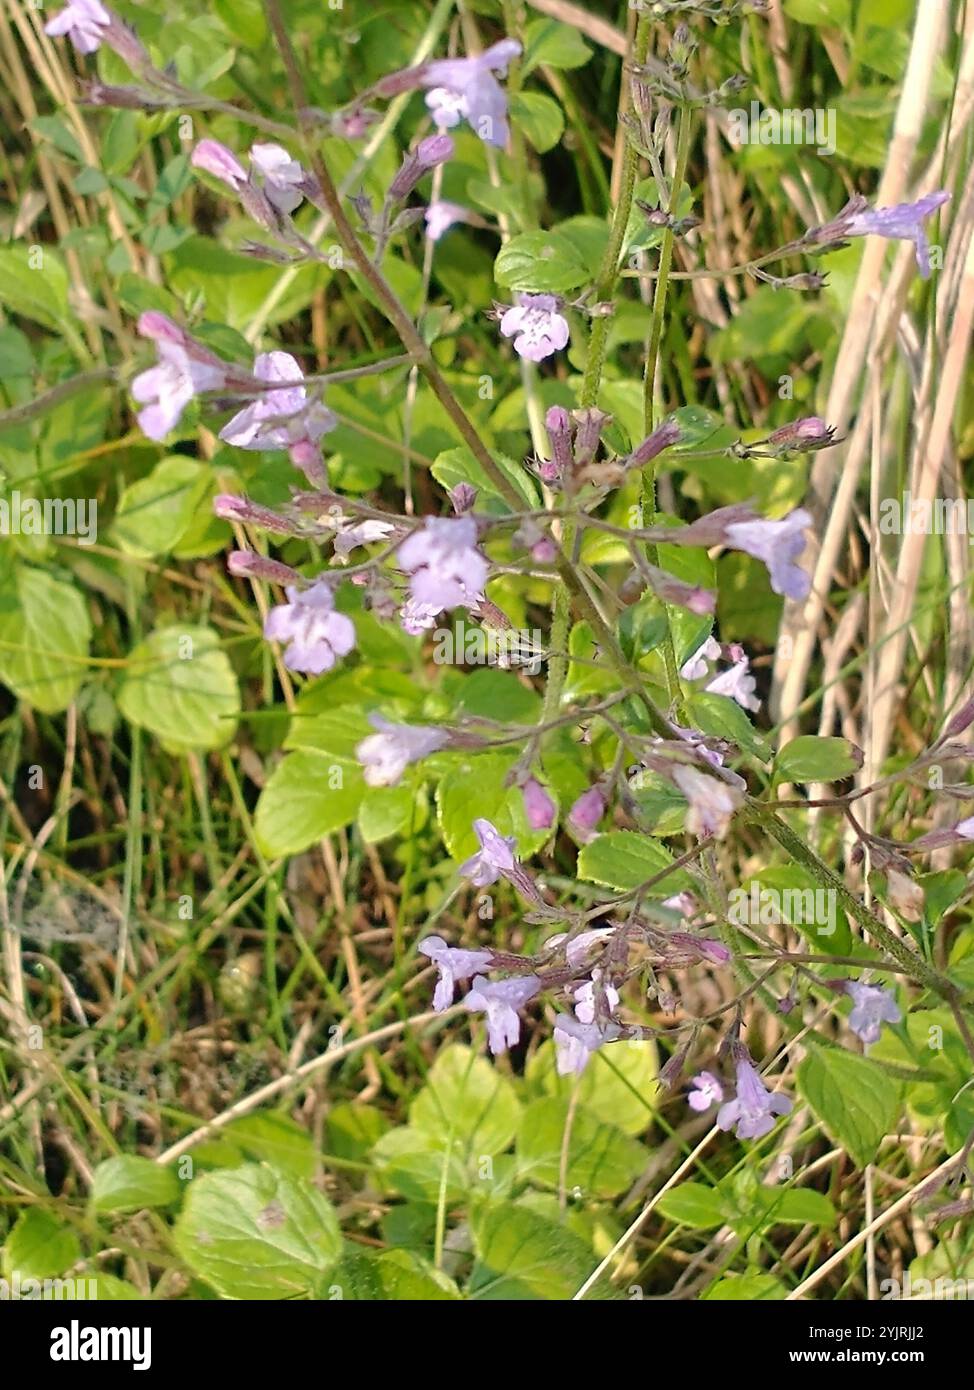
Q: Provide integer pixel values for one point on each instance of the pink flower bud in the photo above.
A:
(538, 805)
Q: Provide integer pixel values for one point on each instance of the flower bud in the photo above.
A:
(434, 150)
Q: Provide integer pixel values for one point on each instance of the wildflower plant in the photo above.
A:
(397, 383)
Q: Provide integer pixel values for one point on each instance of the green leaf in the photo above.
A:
(556, 45)
(466, 1098)
(254, 1233)
(624, 859)
(394, 1276)
(832, 12)
(154, 513)
(307, 795)
(745, 1288)
(619, 1086)
(855, 1099)
(696, 1205)
(272, 1138)
(521, 1255)
(813, 759)
(724, 718)
(129, 1183)
(40, 1246)
(44, 638)
(475, 787)
(540, 119)
(545, 262)
(385, 811)
(602, 1161)
(458, 465)
(353, 1128)
(34, 284)
(180, 686)
(416, 1164)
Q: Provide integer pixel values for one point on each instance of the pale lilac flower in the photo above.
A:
(184, 369)
(698, 664)
(284, 178)
(776, 544)
(316, 635)
(466, 88)
(579, 946)
(738, 684)
(494, 859)
(949, 835)
(417, 618)
(349, 535)
(585, 1001)
(445, 567)
(904, 222)
(500, 1000)
(539, 327)
(872, 1007)
(454, 965)
(385, 755)
(575, 1042)
(441, 216)
(586, 812)
(278, 419)
(712, 802)
(214, 158)
(539, 809)
(708, 1091)
(753, 1108)
(84, 21)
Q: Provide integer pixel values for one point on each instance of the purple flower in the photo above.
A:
(872, 1007)
(284, 178)
(434, 150)
(84, 21)
(539, 808)
(904, 222)
(278, 419)
(465, 88)
(500, 1000)
(753, 1108)
(540, 329)
(575, 1042)
(738, 684)
(445, 567)
(708, 1091)
(386, 755)
(776, 544)
(662, 438)
(441, 216)
(184, 369)
(214, 158)
(712, 802)
(316, 634)
(454, 965)
(494, 859)
(586, 812)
